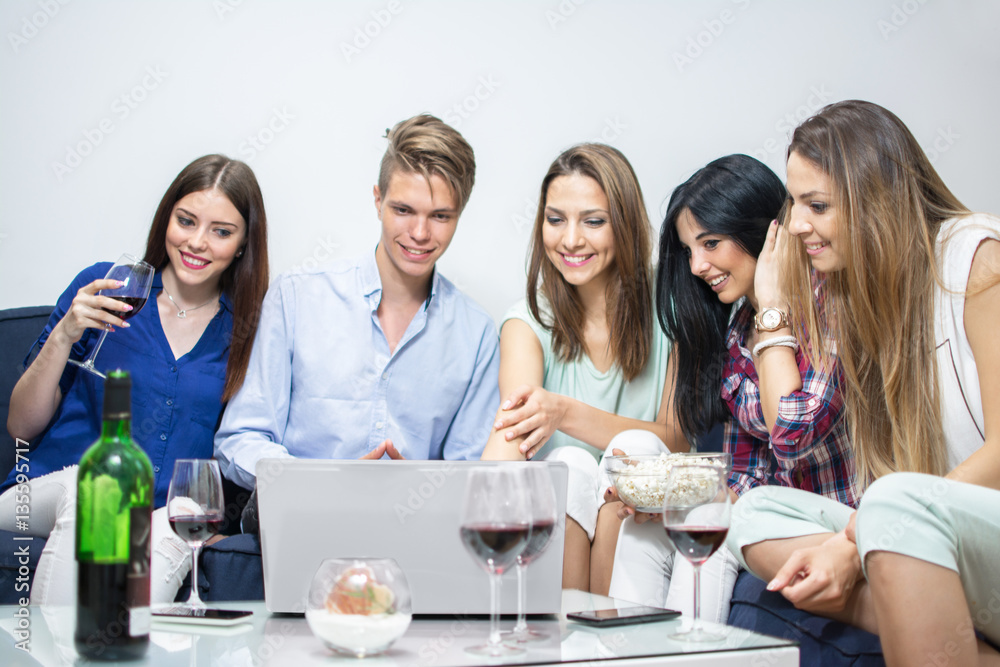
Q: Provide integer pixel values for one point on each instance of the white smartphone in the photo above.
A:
(206, 616)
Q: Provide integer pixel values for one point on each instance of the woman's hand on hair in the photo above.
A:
(768, 286)
(532, 413)
(87, 312)
(820, 579)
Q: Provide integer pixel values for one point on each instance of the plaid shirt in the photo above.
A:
(809, 441)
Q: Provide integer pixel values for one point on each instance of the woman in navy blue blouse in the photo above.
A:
(187, 351)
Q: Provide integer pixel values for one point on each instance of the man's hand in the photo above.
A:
(385, 448)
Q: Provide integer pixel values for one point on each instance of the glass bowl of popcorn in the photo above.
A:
(641, 479)
(359, 606)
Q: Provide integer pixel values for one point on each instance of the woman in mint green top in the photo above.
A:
(581, 359)
(606, 390)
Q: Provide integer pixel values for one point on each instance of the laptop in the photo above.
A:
(314, 509)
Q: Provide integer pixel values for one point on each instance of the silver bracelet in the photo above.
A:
(780, 341)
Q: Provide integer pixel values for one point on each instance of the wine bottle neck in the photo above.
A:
(117, 428)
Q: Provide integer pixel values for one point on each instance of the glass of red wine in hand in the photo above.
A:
(542, 510)
(137, 277)
(696, 510)
(495, 528)
(195, 510)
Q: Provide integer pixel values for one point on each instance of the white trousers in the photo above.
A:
(52, 514)
(645, 570)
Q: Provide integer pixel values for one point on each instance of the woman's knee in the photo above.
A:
(636, 441)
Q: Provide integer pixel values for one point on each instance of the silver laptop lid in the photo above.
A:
(314, 509)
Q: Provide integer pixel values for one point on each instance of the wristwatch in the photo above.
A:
(770, 319)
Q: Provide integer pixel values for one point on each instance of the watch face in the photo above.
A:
(770, 319)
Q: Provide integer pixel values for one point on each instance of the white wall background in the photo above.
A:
(103, 102)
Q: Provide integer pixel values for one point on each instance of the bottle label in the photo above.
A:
(139, 620)
(137, 585)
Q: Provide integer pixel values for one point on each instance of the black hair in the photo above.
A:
(736, 196)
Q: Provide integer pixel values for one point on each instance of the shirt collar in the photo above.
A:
(371, 281)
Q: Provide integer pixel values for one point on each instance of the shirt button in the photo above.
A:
(156, 468)
(385, 376)
(170, 401)
(163, 436)
(173, 369)
(378, 424)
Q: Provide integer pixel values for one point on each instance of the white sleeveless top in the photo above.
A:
(958, 377)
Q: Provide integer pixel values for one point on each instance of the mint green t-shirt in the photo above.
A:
(638, 399)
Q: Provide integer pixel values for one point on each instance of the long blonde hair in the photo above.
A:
(879, 309)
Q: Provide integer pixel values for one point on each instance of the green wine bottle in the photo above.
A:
(113, 518)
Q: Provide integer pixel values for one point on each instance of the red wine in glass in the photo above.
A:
(697, 543)
(137, 278)
(195, 510)
(542, 503)
(196, 529)
(541, 533)
(495, 547)
(137, 302)
(494, 528)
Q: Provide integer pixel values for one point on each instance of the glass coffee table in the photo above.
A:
(275, 639)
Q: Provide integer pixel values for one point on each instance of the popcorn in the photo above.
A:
(642, 484)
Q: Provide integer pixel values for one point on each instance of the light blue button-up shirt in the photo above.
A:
(322, 383)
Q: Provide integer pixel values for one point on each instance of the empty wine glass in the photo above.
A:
(137, 277)
(696, 509)
(495, 528)
(195, 510)
(542, 512)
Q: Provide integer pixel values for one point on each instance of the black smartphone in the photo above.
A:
(622, 616)
(206, 616)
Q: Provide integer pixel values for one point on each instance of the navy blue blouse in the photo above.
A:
(176, 403)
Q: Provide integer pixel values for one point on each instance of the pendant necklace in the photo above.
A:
(183, 313)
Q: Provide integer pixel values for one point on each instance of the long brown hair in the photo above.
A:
(879, 308)
(245, 281)
(630, 291)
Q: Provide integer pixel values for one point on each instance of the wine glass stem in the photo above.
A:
(97, 348)
(194, 600)
(522, 620)
(697, 597)
(494, 640)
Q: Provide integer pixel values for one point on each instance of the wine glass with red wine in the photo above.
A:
(696, 509)
(542, 510)
(137, 277)
(195, 510)
(495, 528)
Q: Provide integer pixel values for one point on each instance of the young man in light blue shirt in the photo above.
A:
(379, 356)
